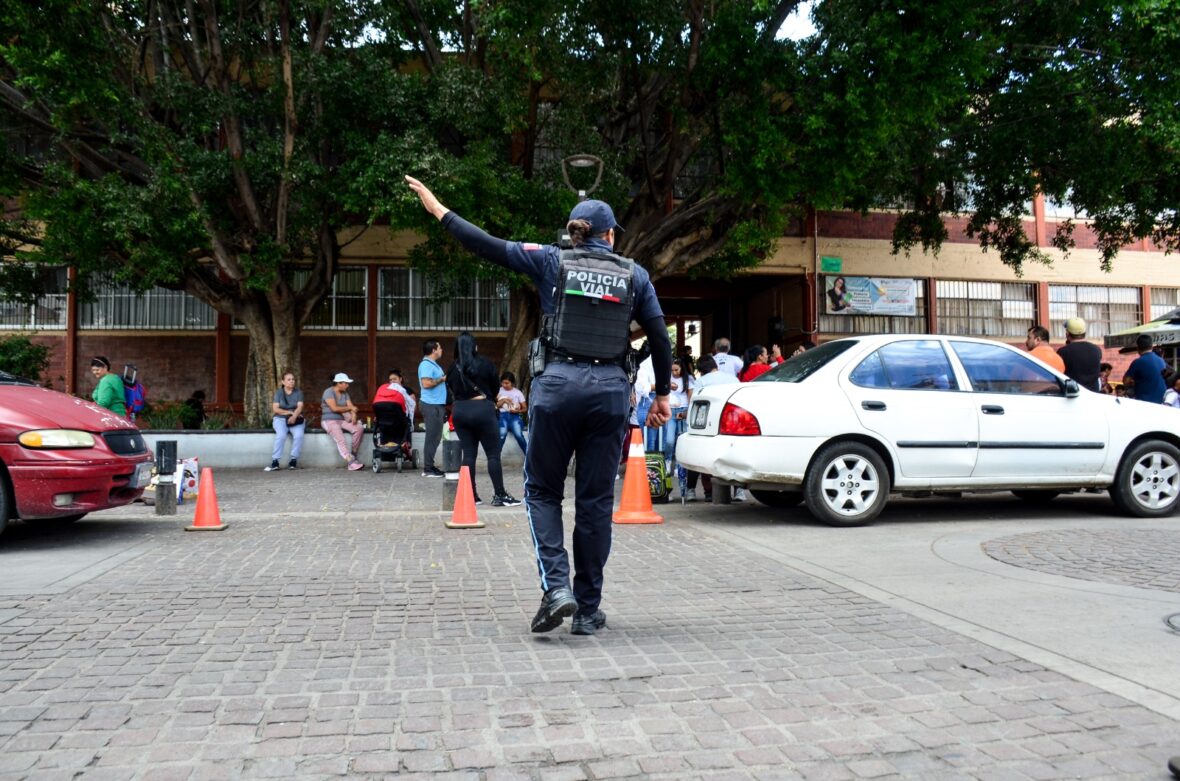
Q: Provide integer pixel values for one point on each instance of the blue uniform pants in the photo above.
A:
(575, 409)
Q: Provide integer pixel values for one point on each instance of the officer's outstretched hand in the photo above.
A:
(428, 200)
(661, 412)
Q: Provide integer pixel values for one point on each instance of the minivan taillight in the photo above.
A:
(738, 422)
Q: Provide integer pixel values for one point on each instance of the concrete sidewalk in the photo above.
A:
(337, 628)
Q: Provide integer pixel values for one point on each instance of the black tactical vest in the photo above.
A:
(593, 301)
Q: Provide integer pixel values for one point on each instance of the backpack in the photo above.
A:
(134, 398)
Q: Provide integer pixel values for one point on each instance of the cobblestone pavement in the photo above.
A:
(1147, 558)
(338, 629)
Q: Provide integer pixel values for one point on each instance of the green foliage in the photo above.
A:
(21, 356)
(165, 416)
(155, 157)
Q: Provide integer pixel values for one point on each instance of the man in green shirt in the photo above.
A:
(109, 391)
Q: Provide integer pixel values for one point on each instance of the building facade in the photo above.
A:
(380, 311)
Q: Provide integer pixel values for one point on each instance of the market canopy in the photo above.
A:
(1163, 331)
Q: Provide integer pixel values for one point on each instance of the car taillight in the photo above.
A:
(738, 422)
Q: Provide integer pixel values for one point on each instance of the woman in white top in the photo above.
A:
(678, 400)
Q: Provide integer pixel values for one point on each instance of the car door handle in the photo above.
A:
(992, 409)
(875, 406)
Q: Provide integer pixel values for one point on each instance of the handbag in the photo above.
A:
(299, 421)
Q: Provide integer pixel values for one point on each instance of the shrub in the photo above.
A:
(20, 356)
(163, 415)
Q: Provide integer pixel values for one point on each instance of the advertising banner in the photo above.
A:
(870, 296)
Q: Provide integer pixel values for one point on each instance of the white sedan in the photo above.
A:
(845, 424)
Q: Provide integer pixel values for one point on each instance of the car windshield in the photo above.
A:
(805, 364)
(12, 379)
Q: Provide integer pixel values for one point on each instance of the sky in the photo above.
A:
(798, 25)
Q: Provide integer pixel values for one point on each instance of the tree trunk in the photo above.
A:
(274, 350)
(525, 316)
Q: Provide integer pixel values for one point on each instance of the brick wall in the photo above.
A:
(171, 366)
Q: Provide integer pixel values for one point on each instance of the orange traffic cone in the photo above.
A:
(464, 515)
(208, 517)
(635, 506)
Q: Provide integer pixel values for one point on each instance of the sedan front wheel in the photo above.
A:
(847, 484)
(1148, 481)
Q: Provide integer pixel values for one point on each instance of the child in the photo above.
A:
(511, 403)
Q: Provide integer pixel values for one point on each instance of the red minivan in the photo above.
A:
(62, 457)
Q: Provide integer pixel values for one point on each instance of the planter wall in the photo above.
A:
(251, 448)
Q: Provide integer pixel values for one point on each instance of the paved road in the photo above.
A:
(338, 629)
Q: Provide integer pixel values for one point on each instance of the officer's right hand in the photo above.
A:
(428, 199)
(660, 413)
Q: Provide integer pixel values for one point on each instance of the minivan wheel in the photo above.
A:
(847, 484)
(1148, 481)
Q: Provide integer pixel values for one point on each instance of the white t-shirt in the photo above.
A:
(728, 363)
(645, 378)
(715, 378)
(679, 395)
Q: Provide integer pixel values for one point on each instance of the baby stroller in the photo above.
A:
(391, 437)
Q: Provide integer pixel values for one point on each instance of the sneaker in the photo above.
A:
(588, 624)
(690, 495)
(505, 500)
(274, 467)
(557, 604)
(293, 463)
(739, 495)
(432, 471)
(355, 465)
(478, 500)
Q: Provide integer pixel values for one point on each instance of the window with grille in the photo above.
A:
(1163, 300)
(1105, 309)
(117, 305)
(48, 313)
(877, 324)
(407, 302)
(344, 308)
(998, 310)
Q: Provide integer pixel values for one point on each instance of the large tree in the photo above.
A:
(216, 144)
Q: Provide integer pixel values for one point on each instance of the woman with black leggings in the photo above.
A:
(473, 382)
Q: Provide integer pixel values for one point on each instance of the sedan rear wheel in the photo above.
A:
(847, 484)
(777, 498)
(1148, 481)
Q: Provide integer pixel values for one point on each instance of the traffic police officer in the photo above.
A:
(581, 401)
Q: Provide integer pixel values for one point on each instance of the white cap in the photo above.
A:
(342, 377)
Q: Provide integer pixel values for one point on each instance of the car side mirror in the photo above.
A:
(1071, 388)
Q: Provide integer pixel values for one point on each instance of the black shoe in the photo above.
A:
(556, 605)
(588, 624)
(478, 500)
(293, 464)
(274, 467)
(1174, 766)
(504, 500)
(432, 471)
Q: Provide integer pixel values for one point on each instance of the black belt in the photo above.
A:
(556, 357)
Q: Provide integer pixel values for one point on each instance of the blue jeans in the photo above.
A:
(651, 441)
(672, 429)
(281, 430)
(510, 421)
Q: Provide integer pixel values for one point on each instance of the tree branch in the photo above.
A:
(429, 46)
(233, 126)
(290, 122)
